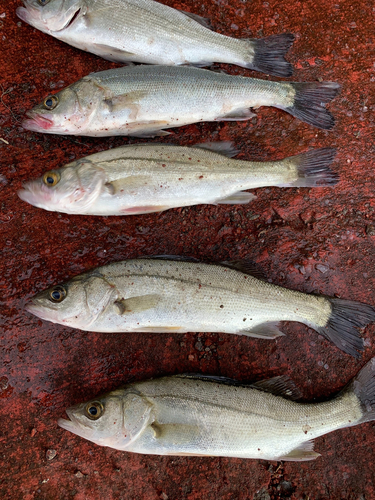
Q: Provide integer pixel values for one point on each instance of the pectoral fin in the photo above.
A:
(129, 100)
(168, 434)
(136, 304)
(147, 129)
(130, 184)
(303, 453)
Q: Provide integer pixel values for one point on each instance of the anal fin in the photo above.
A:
(268, 330)
(302, 453)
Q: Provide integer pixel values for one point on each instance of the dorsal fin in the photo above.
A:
(177, 258)
(204, 21)
(279, 386)
(224, 148)
(246, 266)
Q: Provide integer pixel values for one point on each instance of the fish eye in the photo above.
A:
(51, 102)
(57, 294)
(51, 178)
(43, 2)
(94, 410)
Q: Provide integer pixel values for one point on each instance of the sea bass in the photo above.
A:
(144, 100)
(153, 177)
(165, 295)
(148, 32)
(212, 416)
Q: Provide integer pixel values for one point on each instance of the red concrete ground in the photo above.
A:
(312, 240)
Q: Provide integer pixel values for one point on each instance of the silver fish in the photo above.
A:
(164, 295)
(144, 100)
(209, 416)
(148, 32)
(153, 177)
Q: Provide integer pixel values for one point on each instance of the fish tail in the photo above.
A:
(268, 55)
(309, 102)
(346, 318)
(363, 386)
(313, 168)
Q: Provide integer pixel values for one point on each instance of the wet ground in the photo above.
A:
(320, 240)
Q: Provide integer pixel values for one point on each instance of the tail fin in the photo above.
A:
(313, 168)
(363, 386)
(341, 328)
(309, 102)
(269, 55)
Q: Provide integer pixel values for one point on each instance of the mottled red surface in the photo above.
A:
(319, 240)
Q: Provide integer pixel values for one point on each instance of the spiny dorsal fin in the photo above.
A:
(279, 386)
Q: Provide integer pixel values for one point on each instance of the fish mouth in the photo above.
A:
(40, 311)
(27, 194)
(36, 123)
(23, 14)
(67, 424)
(71, 424)
(34, 194)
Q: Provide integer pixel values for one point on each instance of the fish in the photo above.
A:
(192, 415)
(146, 178)
(144, 100)
(149, 32)
(168, 294)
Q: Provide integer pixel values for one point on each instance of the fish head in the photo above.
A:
(77, 303)
(115, 420)
(99, 420)
(50, 16)
(71, 189)
(67, 112)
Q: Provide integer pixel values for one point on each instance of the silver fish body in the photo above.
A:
(150, 178)
(144, 100)
(187, 415)
(161, 295)
(149, 32)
